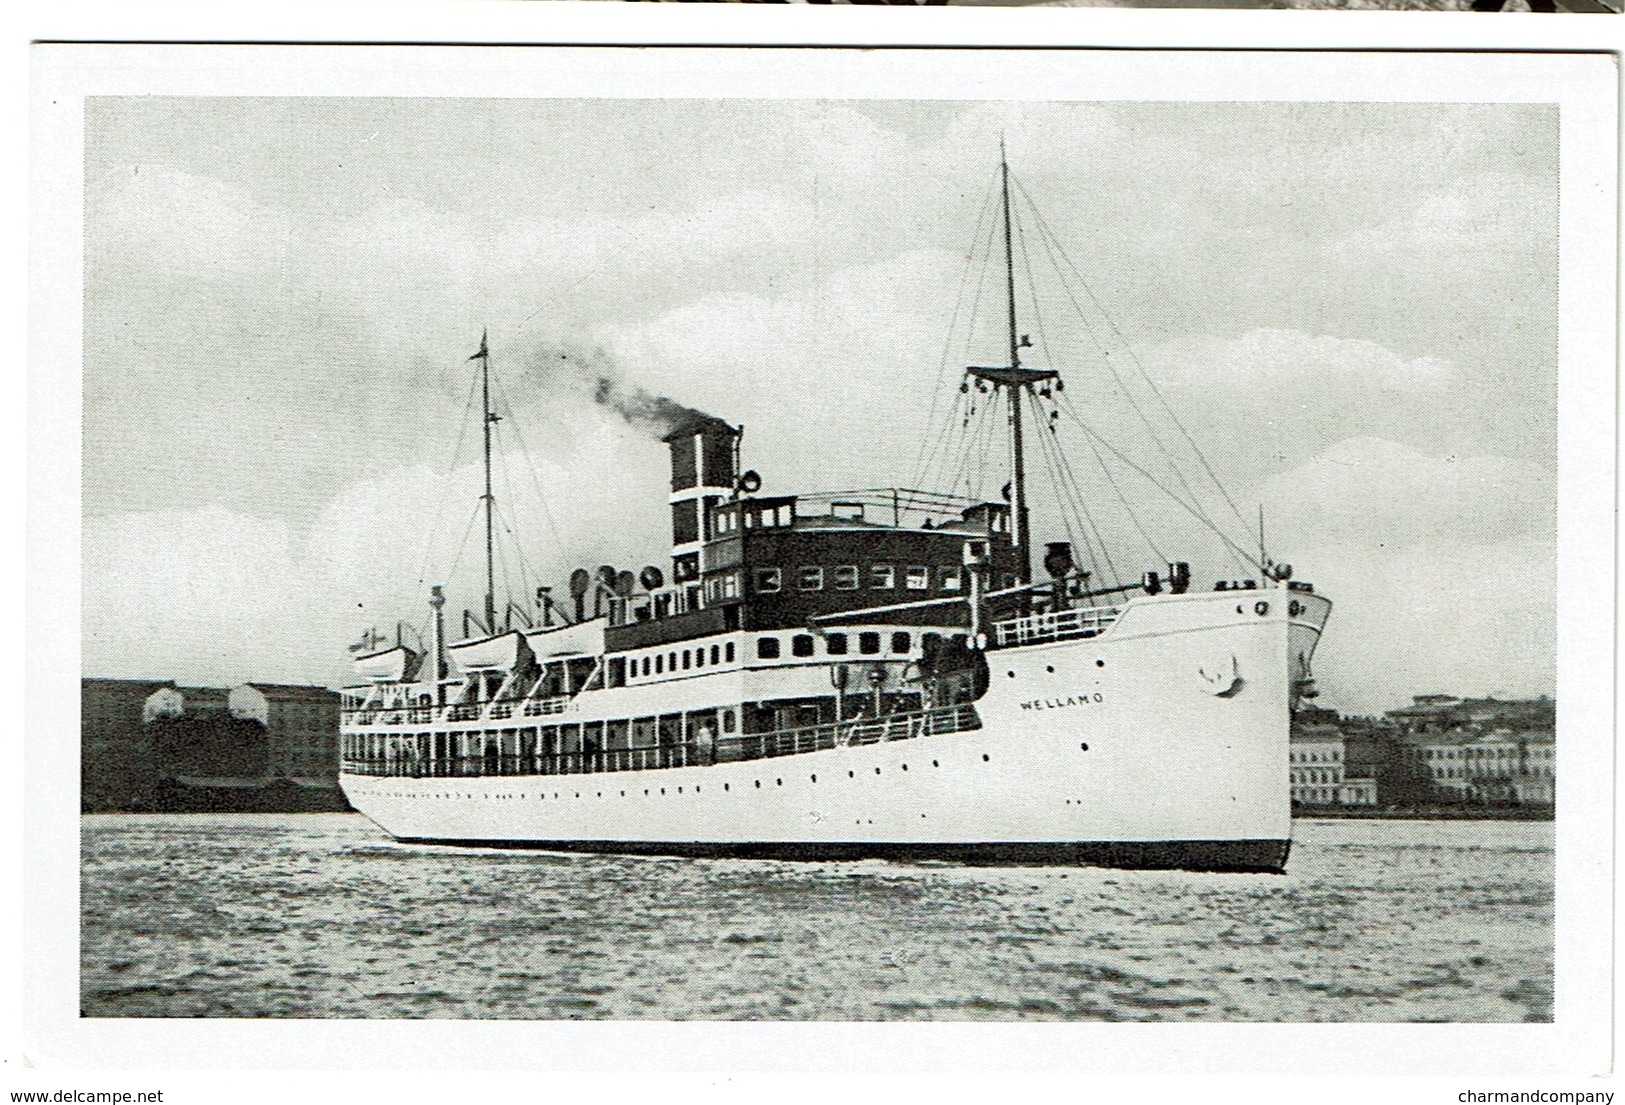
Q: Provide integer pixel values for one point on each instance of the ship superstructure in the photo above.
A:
(867, 673)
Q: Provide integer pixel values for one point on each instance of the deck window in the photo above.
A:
(688, 658)
(728, 652)
(716, 654)
(768, 581)
(869, 644)
(899, 642)
(767, 648)
(659, 664)
(801, 644)
(812, 579)
(950, 579)
(918, 578)
(835, 644)
(846, 577)
(882, 577)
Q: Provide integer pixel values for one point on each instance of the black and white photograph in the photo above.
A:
(1076, 543)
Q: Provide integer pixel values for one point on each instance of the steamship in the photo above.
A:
(847, 675)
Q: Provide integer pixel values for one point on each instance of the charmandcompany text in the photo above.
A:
(1468, 1097)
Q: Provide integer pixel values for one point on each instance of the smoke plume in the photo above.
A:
(605, 384)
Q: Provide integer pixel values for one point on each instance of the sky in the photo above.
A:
(1350, 309)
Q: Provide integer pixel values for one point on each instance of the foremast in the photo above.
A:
(488, 418)
(1014, 379)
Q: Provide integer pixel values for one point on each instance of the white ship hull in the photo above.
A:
(1163, 741)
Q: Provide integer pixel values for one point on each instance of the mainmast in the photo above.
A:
(1014, 379)
(488, 418)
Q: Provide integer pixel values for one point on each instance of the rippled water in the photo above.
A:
(317, 915)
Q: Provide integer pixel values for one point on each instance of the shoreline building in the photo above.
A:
(259, 747)
(1488, 751)
(1319, 758)
(118, 766)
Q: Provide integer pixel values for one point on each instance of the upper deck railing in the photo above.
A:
(411, 755)
(1055, 625)
(459, 711)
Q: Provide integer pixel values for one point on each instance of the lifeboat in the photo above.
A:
(581, 639)
(503, 652)
(392, 665)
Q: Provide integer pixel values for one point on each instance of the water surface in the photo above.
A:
(318, 915)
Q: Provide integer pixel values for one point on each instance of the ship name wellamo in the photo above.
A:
(858, 674)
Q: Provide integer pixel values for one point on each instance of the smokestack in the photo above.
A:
(704, 469)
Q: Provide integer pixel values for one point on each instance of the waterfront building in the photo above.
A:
(1318, 761)
(301, 726)
(1485, 750)
(118, 769)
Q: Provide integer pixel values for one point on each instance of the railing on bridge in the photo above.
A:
(1056, 625)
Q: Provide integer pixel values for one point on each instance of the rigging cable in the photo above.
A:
(922, 461)
(1193, 510)
(1115, 575)
(433, 531)
(1167, 408)
(1053, 248)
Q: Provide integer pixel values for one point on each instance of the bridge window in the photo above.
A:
(835, 644)
(899, 642)
(918, 578)
(869, 643)
(950, 579)
(846, 577)
(812, 579)
(801, 644)
(882, 577)
(768, 581)
(767, 648)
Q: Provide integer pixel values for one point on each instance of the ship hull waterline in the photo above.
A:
(1161, 743)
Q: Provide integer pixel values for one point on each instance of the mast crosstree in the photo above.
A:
(1015, 380)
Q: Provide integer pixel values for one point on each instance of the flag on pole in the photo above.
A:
(483, 351)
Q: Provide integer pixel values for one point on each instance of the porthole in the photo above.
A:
(623, 794)
(1011, 674)
(877, 771)
(1084, 746)
(778, 782)
(1050, 668)
(814, 778)
(725, 786)
(935, 764)
(758, 784)
(984, 757)
(1100, 663)
(905, 767)
(600, 794)
(851, 774)
(662, 790)
(679, 790)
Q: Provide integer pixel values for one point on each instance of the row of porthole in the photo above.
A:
(646, 790)
(1051, 668)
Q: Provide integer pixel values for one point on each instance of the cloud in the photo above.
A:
(1271, 358)
(1440, 569)
(1381, 493)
